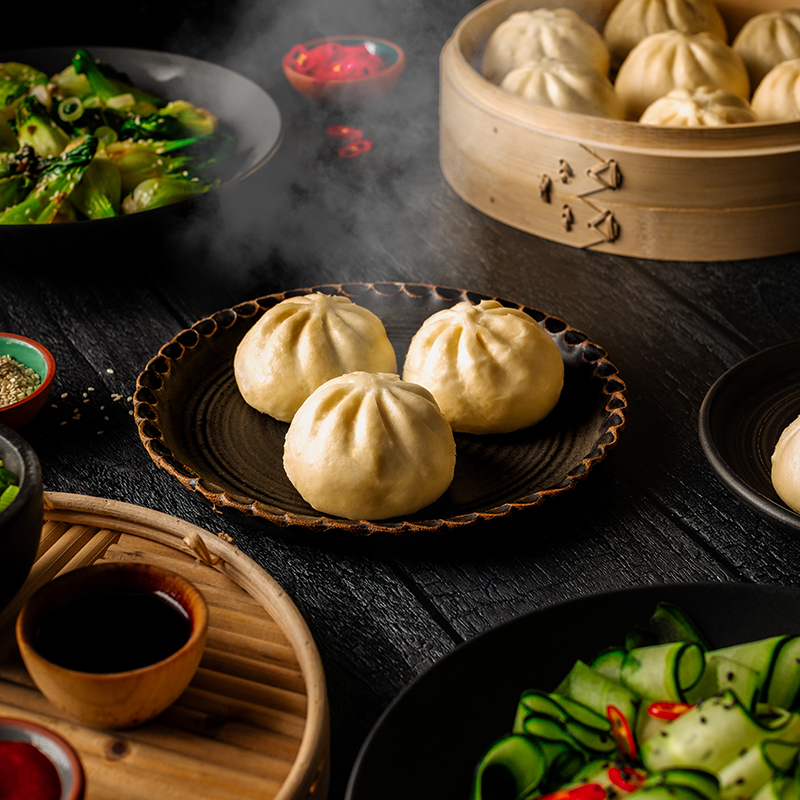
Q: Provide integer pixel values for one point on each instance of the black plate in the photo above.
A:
(195, 425)
(741, 418)
(429, 740)
(243, 108)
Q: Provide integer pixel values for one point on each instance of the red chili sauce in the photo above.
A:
(26, 773)
(332, 61)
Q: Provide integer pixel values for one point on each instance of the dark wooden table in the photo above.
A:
(652, 512)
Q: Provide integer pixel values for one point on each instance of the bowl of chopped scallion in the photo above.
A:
(21, 511)
(26, 375)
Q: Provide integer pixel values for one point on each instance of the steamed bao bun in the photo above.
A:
(567, 86)
(630, 21)
(491, 369)
(302, 342)
(672, 60)
(705, 106)
(777, 97)
(558, 33)
(786, 466)
(369, 446)
(767, 39)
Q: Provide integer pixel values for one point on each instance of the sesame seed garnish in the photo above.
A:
(16, 381)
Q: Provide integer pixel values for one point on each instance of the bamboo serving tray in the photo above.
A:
(254, 721)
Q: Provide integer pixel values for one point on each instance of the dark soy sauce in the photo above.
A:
(113, 631)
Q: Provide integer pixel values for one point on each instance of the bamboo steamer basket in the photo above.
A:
(677, 194)
(254, 721)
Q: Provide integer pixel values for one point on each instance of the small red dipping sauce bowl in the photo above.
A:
(344, 71)
(38, 764)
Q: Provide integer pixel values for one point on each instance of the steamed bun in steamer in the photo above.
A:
(786, 466)
(492, 369)
(301, 343)
(369, 446)
(777, 97)
(567, 86)
(630, 21)
(767, 39)
(558, 33)
(671, 60)
(702, 107)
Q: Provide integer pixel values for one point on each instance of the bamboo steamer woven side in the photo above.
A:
(682, 194)
(253, 723)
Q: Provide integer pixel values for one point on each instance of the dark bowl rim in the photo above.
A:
(767, 508)
(29, 486)
(49, 360)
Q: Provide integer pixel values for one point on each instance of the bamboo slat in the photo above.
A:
(254, 721)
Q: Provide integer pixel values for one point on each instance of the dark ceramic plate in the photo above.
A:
(443, 723)
(195, 425)
(741, 418)
(243, 108)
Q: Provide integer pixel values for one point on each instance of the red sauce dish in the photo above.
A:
(344, 71)
(37, 763)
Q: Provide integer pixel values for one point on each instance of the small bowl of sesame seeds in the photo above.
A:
(26, 375)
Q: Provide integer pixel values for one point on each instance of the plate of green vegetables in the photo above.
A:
(665, 692)
(102, 133)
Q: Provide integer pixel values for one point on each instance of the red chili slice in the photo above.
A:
(668, 711)
(345, 132)
(354, 148)
(621, 731)
(626, 778)
(587, 791)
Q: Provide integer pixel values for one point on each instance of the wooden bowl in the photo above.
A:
(36, 356)
(112, 699)
(351, 92)
(679, 194)
(21, 521)
(58, 750)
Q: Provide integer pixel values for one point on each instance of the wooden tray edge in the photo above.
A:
(312, 756)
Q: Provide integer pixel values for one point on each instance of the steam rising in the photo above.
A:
(302, 218)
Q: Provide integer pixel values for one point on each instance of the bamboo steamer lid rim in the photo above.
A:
(460, 60)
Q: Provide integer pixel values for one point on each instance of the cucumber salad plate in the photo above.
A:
(664, 692)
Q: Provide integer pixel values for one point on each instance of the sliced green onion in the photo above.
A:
(70, 109)
(106, 135)
(7, 496)
(121, 101)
